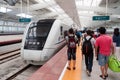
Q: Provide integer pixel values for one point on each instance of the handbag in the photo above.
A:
(114, 63)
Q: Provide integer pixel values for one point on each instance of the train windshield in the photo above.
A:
(37, 35)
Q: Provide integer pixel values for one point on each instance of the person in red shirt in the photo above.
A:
(105, 44)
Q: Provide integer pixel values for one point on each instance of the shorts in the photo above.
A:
(71, 55)
(102, 59)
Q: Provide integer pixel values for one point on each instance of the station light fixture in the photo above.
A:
(5, 10)
(24, 15)
(117, 16)
(52, 9)
(41, 1)
(85, 12)
(47, 0)
(88, 2)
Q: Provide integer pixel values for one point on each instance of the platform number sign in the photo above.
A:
(100, 18)
(24, 19)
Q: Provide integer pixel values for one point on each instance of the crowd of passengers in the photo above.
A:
(101, 45)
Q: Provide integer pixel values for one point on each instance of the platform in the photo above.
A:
(78, 74)
(73, 74)
(52, 69)
(10, 37)
(96, 72)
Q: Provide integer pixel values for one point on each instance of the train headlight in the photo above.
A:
(45, 58)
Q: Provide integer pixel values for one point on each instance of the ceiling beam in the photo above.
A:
(40, 6)
(70, 9)
(98, 9)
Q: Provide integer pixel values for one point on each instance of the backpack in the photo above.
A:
(71, 42)
(87, 46)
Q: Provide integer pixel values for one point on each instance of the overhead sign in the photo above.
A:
(99, 18)
(24, 19)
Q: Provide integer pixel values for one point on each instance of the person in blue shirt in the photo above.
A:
(116, 40)
(116, 37)
(78, 34)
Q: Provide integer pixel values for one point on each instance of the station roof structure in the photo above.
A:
(79, 12)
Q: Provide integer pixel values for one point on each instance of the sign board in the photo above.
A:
(99, 18)
(24, 19)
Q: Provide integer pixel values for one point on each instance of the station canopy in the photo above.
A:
(79, 12)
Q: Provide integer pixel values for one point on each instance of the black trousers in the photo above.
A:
(89, 61)
(71, 53)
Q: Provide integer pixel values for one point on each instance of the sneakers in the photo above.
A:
(70, 68)
(88, 73)
(103, 77)
(74, 68)
(106, 75)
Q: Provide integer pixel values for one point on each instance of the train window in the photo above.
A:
(65, 33)
(61, 30)
(37, 35)
(42, 30)
(32, 32)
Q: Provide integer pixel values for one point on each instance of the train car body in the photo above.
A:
(42, 40)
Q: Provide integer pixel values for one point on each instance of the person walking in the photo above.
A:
(71, 40)
(116, 40)
(87, 50)
(104, 51)
(78, 34)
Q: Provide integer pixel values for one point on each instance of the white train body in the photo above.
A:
(41, 40)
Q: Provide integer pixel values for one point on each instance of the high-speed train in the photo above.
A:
(42, 40)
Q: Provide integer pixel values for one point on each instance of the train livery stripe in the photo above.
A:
(59, 42)
(74, 74)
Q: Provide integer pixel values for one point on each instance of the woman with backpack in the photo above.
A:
(87, 50)
(71, 40)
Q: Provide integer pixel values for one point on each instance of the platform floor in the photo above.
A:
(10, 37)
(96, 72)
(80, 72)
(74, 74)
(54, 70)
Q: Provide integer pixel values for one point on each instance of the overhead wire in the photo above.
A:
(21, 10)
(106, 13)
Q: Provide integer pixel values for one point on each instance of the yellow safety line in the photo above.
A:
(74, 74)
